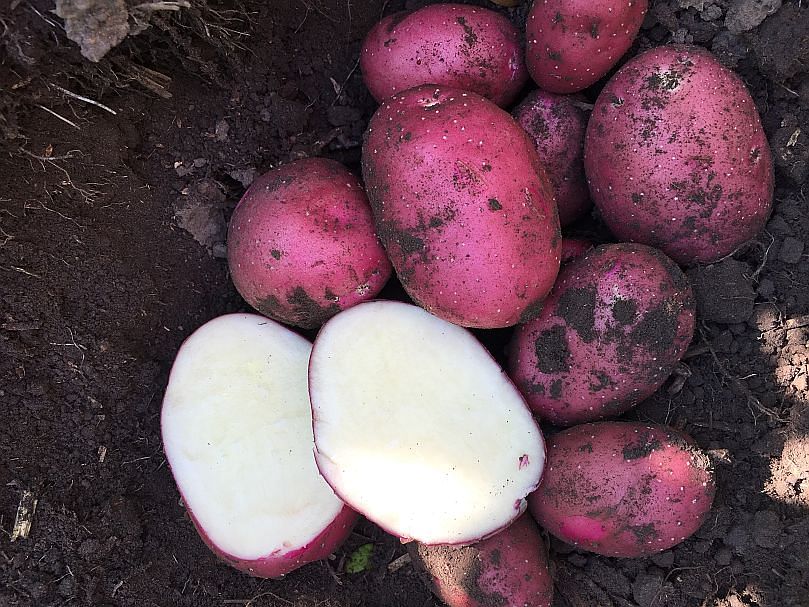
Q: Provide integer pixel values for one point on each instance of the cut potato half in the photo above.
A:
(237, 432)
(418, 428)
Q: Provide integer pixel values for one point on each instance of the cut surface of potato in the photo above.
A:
(418, 428)
(237, 432)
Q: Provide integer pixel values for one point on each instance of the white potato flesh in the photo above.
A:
(237, 432)
(418, 428)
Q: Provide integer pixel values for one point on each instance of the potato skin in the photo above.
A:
(676, 156)
(616, 324)
(573, 248)
(462, 206)
(556, 124)
(571, 44)
(279, 564)
(624, 489)
(508, 568)
(453, 45)
(301, 243)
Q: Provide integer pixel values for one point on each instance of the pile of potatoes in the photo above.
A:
(397, 412)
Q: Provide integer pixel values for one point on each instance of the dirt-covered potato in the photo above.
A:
(455, 45)
(301, 243)
(676, 157)
(615, 325)
(623, 488)
(462, 206)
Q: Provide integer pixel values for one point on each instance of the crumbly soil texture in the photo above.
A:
(112, 251)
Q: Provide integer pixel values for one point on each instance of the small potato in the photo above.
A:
(573, 248)
(509, 568)
(676, 156)
(454, 45)
(626, 489)
(301, 243)
(612, 330)
(556, 124)
(572, 44)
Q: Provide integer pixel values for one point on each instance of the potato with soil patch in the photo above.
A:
(301, 243)
(455, 45)
(676, 157)
(557, 124)
(624, 489)
(462, 206)
(616, 324)
(571, 44)
(509, 568)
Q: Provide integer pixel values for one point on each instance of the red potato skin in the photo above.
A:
(676, 156)
(571, 44)
(556, 124)
(625, 489)
(509, 568)
(301, 243)
(573, 248)
(277, 564)
(462, 206)
(616, 324)
(454, 45)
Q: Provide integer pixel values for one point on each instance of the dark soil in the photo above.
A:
(101, 281)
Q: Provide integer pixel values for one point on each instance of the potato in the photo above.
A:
(616, 324)
(556, 124)
(301, 243)
(509, 568)
(624, 489)
(418, 428)
(452, 45)
(571, 44)
(237, 432)
(676, 156)
(462, 206)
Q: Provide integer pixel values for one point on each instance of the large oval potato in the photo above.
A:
(465, 47)
(462, 206)
(676, 157)
(571, 44)
(615, 325)
(301, 243)
(624, 489)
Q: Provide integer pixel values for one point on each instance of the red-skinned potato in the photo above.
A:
(454, 45)
(417, 427)
(301, 243)
(625, 489)
(556, 124)
(614, 327)
(462, 206)
(676, 156)
(571, 44)
(509, 568)
(237, 432)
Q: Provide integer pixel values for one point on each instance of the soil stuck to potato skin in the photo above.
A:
(100, 283)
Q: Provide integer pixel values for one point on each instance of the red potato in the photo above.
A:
(613, 329)
(418, 428)
(509, 568)
(626, 489)
(676, 156)
(237, 432)
(572, 44)
(556, 124)
(462, 206)
(301, 243)
(573, 248)
(453, 45)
